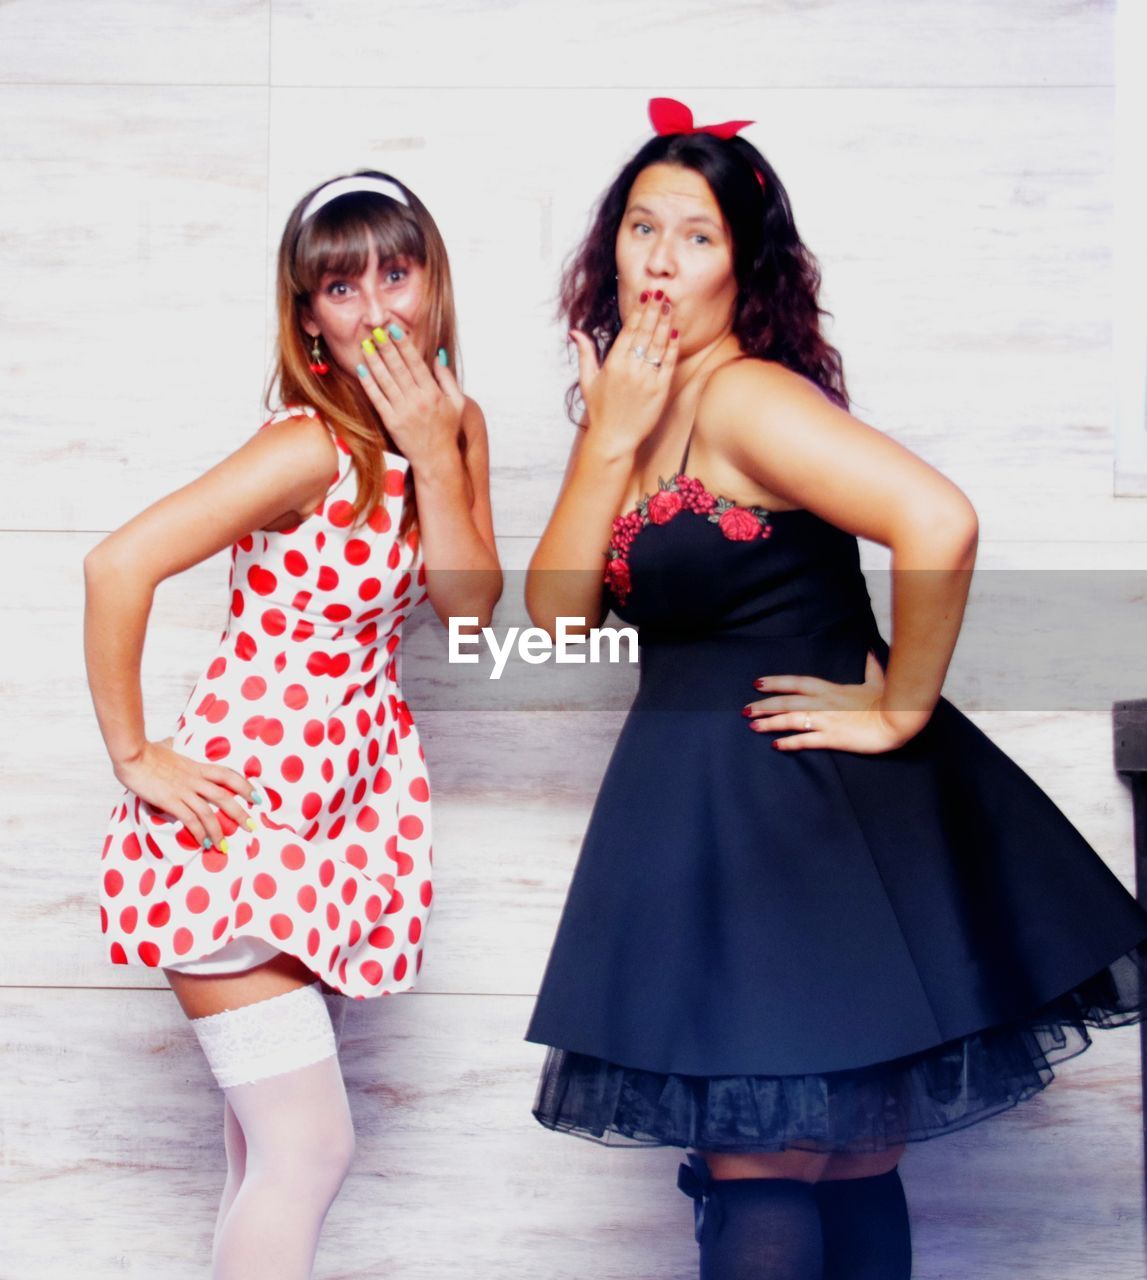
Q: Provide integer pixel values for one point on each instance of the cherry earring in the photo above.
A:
(318, 364)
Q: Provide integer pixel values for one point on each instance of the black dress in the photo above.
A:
(817, 949)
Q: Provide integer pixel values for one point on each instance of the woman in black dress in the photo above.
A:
(817, 914)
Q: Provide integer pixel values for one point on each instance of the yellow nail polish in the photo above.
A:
(368, 347)
(250, 824)
(223, 846)
(380, 336)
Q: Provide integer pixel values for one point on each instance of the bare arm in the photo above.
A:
(463, 575)
(624, 399)
(285, 467)
(782, 431)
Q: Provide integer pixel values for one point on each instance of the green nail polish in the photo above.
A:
(362, 370)
(442, 359)
(395, 332)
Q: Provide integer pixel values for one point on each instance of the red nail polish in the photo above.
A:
(746, 711)
(659, 295)
(644, 297)
(673, 333)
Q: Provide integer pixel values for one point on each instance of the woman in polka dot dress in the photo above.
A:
(279, 841)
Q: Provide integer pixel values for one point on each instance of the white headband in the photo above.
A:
(346, 186)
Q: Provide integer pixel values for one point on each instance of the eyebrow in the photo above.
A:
(697, 217)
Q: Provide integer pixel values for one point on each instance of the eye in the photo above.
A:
(700, 236)
(396, 274)
(333, 289)
(641, 227)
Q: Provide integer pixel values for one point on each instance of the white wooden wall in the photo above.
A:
(951, 166)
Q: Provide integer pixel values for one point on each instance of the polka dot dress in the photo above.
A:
(302, 698)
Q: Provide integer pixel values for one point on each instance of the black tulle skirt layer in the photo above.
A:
(920, 1096)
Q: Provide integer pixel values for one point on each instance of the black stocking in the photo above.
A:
(866, 1231)
(754, 1228)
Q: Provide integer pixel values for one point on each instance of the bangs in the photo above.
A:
(339, 238)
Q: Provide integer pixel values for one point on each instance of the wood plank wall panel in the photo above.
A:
(951, 167)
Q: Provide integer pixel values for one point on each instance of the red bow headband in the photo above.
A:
(667, 115)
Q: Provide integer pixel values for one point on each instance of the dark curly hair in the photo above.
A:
(777, 315)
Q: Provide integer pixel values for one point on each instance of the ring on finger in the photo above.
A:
(655, 363)
(807, 724)
(639, 352)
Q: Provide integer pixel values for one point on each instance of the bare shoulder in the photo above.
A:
(752, 392)
(301, 439)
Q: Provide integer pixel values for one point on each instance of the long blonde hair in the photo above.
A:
(339, 238)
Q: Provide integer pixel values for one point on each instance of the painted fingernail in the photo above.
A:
(250, 824)
(747, 711)
(395, 332)
(665, 308)
(362, 370)
(256, 798)
(369, 347)
(380, 336)
(659, 295)
(206, 842)
(644, 297)
(673, 333)
(443, 360)
(223, 846)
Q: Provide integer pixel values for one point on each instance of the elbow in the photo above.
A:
(950, 532)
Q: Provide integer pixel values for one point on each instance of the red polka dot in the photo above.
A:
(410, 827)
(237, 603)
(118, 954)
(400, 969)
(252, 766)
(336, 730)
(159, 915)
(313, 942)
(327, 769)
(261, 581)
(281, 926)
(131, 847)
(336, 613)
(393, 556)
(265, 885)
(280, 661)
(182, 941)
(295, 563)
(371, 971)
(356, 856)
(367, 819)
(307, 898)
(274, 622)
(216, 711)
(312, 804)
(328, 579)
(271, 731)
(147, 882)
(373, 907)
(382, 781)
(214, 860)
(341, 513)
(355, 934)
(426, 892)
(359, 790)
(326, 872)
(336, 827)
(220, 927)
(369, 589)
(245, 647)
(415, 930)
(420, 789)
(357, 551)
(304, 629)
(295, 696)
(394, 483)
(313, 734)
(292, 768)
(379, 519)
(326, 664)
(335, 802)
(128, 919)
(301, 600)
(149, 954)
(216, 669)
(396, 903)
(253, 687)
(350, 891)
(198, 900)
(382, 937)
(217, 748)
(113, 883)
(243, 914)
(332, 916)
